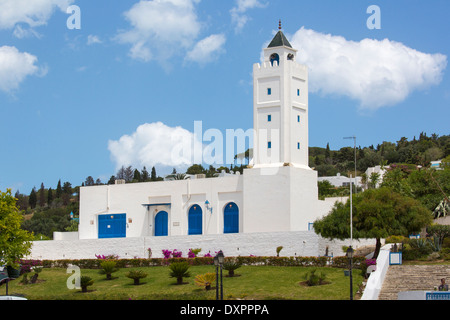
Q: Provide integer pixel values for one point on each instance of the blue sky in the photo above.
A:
(120, 90)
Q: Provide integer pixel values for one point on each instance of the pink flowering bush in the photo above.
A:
(176, 254)
(167, 254)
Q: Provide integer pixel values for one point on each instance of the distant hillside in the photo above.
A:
(419, 151)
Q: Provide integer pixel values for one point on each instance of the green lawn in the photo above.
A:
(253, 282)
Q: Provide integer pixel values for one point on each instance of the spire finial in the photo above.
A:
(279, 24)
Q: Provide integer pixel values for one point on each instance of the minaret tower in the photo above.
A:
(280, 107)
(280, 190)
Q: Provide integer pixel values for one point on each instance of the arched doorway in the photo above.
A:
(161, 224)
(231, 218)
(195, 218)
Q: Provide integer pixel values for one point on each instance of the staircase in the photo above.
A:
(412, 278)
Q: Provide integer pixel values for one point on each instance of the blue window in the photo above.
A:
(161, 224)
(112, 226)
(231, 218)
(269, 91)
(269, 144)
(269, 117)
(195, 218)
(298, 92)
(298, 145)
(298, 118)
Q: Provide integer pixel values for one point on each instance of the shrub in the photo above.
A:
(193, 253)
(108, 267)
(167, 254)
(28, 265)
(445, 253)
(176, 254)
(179, 270)
(312, 279)
(205, 280)
(396, 239)
(231, 264)
(278, 250)
(85, 282)
(136, 275)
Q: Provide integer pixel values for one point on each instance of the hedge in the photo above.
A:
(336, 262)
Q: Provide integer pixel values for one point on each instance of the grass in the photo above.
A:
(252, 283)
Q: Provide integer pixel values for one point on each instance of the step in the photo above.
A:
(412, 278)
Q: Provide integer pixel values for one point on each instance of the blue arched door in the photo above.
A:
(195, 220)
(161, 224)
(231, 218)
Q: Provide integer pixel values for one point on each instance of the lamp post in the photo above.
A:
(218, 262)
(350, 258)
(354, 141)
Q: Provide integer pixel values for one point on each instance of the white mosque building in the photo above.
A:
(277, 193)
(273, 203)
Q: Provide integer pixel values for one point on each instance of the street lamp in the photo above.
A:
(350, 258)
(218, 262)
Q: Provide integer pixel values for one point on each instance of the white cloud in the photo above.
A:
(208, 49)
(32, 13)
(155, 144)
(160, 28)
(92, 39)
(15, 66)
(238, 16)
(375, 73)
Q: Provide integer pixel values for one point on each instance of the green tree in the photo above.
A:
(42, 195)
(49, 196)
(377, 213)
(144, 175)
(196, 169)
(153, 176)
(14, 241)
(58, 190)
(89, 181)
(137, 176)
(32, 200)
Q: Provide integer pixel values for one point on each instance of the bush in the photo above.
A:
(179, 270)
(85, 282)
(231, 264)
(396, 239)
(136, 275)
(108, 267)
(312, 279)
(205, 280)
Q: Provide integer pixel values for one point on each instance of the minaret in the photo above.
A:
(280, 107)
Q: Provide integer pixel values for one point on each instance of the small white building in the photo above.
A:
(376, 170)
(341, 181)
(278, 193)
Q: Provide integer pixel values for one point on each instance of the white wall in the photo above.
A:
(299, 243)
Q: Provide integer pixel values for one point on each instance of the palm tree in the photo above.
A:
(179, 270)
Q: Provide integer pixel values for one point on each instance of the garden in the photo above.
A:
(188, 278)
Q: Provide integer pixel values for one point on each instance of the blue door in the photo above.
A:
(161, 224)
(195, 220)
(112, 226)
(231, 218)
